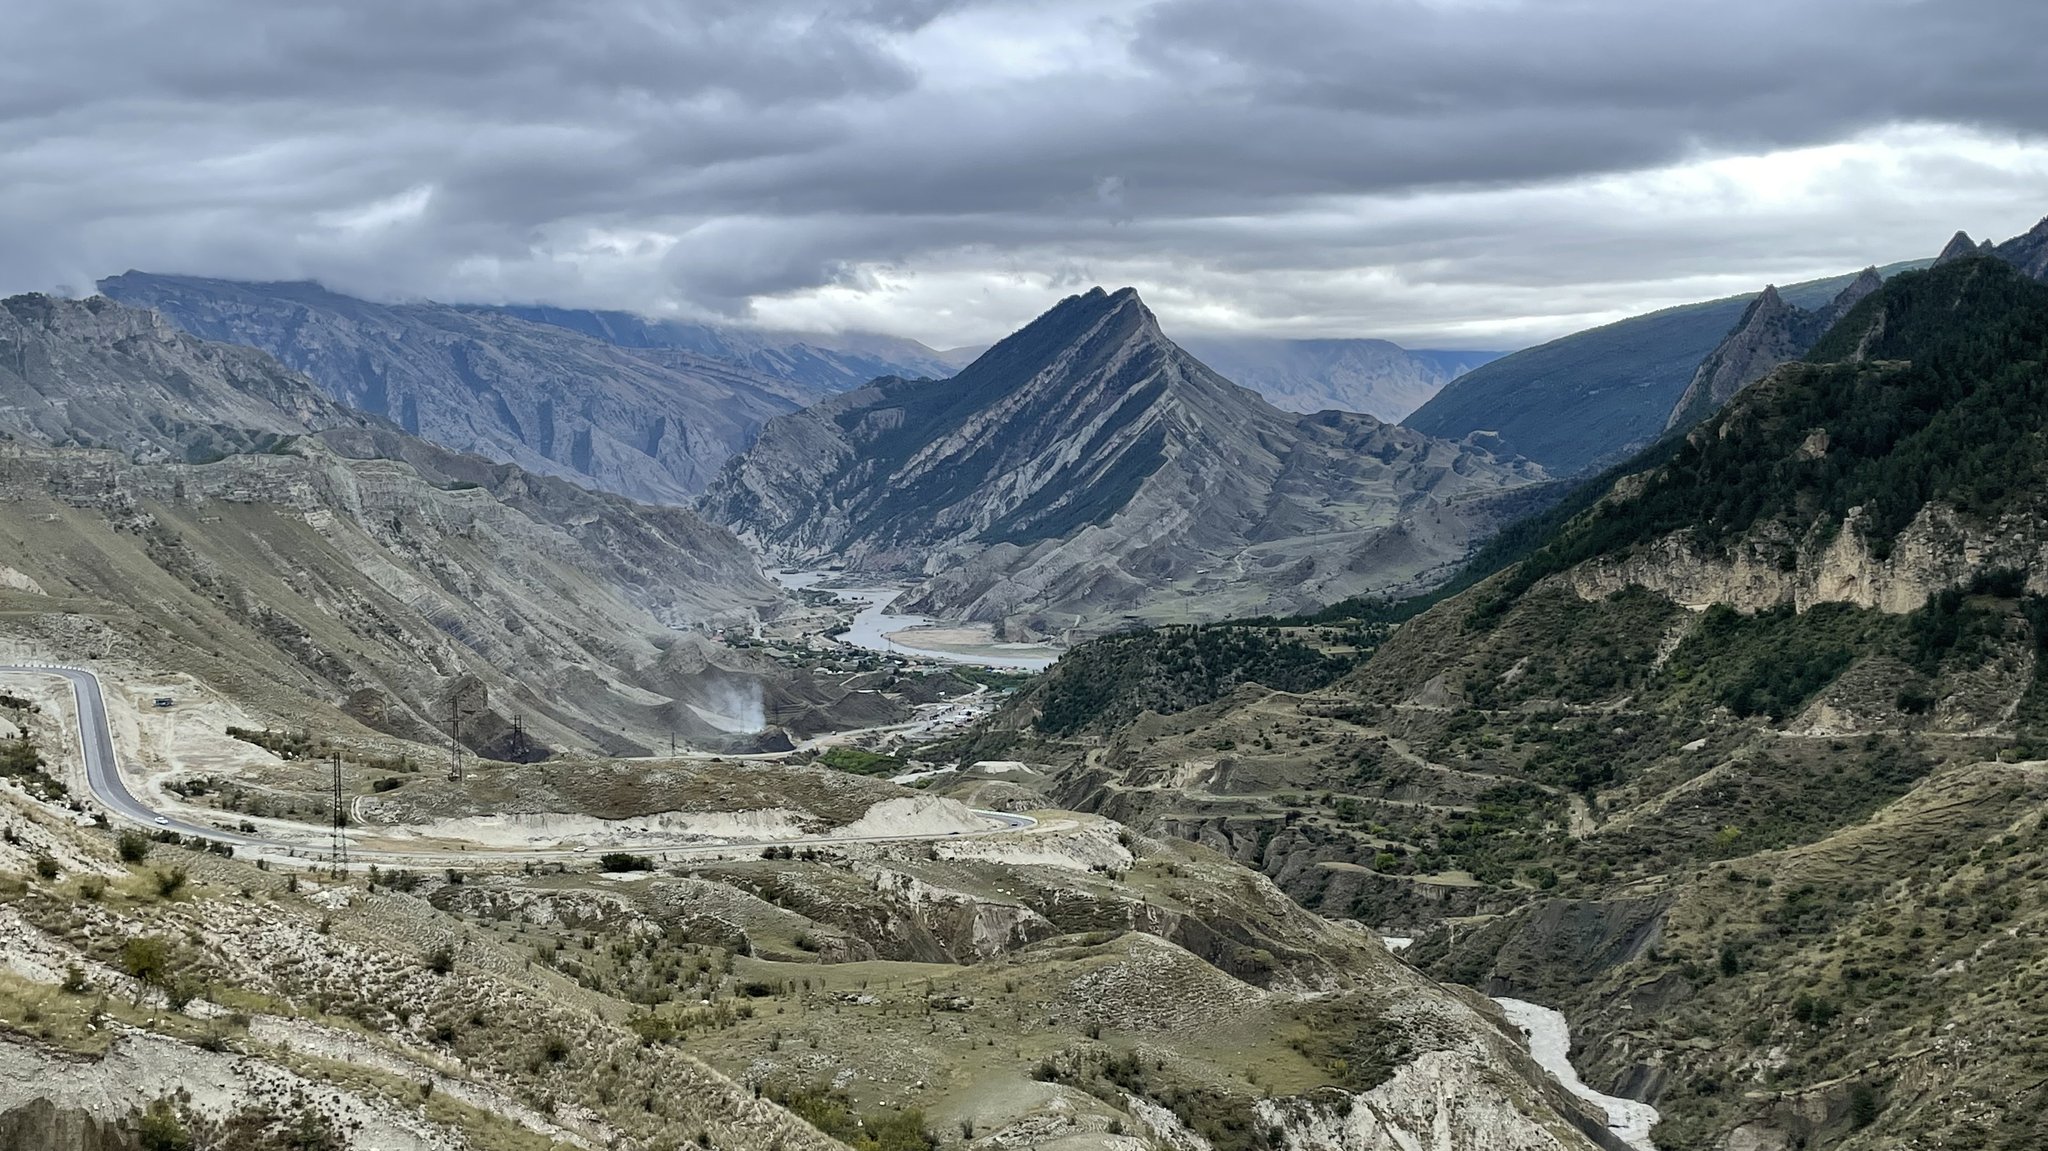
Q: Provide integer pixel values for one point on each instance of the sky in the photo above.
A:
(1444, 173)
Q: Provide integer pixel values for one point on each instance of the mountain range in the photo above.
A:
(1591, 398)
(1736, 757)
(200, 506)
(1377, 377)
(1087, 468)
(653, 424)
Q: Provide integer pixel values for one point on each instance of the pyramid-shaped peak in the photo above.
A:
(1959, 246)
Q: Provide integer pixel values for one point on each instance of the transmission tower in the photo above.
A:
(455, 714)
(339, 844)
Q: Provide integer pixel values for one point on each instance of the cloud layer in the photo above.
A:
(1456, 172)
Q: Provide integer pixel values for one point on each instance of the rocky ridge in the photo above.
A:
(332, 555)
(653, 427)
(1771, 332)
(1087, 468)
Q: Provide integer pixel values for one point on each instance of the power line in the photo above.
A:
(339, 843)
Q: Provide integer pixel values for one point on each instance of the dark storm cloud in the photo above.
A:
(1264, 159)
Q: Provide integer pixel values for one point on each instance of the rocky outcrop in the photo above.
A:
(650, 426)
(94, 374)
(1087, 468)
(2027, 252)
(1961, 247)
(1939, 549)
(1771, 332)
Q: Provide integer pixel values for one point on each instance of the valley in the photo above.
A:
(1053, 746)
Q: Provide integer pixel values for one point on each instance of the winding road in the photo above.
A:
(103, 777)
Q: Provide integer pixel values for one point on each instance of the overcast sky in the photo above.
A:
(1451, 173)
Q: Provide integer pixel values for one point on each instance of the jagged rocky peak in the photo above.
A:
(1959, 246)
(1771, 332)
(1087, 467)
(2028, 251)
(1866, 282)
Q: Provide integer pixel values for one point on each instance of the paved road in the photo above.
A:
(103, 777)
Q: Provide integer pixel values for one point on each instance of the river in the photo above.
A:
(874, 623)
(1550, 1044)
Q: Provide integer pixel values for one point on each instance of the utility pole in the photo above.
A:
(455, 714)
(339, 844)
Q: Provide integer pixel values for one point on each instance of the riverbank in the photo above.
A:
(876, 628)
(1550, 1045)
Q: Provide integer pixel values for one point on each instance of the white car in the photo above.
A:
(162, 822)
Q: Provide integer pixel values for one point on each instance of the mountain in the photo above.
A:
(2028, 252)
(575, 943)
(200, 507)
(1771, 332)
(1739, 764)
(818, 362)
(1377, 377)
(653, 426)
(1593, 397)
(1086, 467)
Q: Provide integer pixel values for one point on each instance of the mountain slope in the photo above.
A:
(1770, 333)
(820, 362)
(652, 427)
(1087, 467)
(1377, 377)
(328, 555)
(1739, 768)
(1593, 397)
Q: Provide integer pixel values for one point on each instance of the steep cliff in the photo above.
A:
(1770, 333)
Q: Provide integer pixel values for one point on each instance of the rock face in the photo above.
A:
(653, 426)
(1382, 379)
(820, 362)
(1770, 333)
(2028, 252)
(1086, 467)
(95, 374)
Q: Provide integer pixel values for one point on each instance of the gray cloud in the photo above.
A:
(1467, 171)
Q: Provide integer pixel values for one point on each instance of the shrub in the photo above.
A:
(160, 1129)
(441, 960)
(147, 958)
(133, 846)
(170, 883)
(617, 861)
(46, 867)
